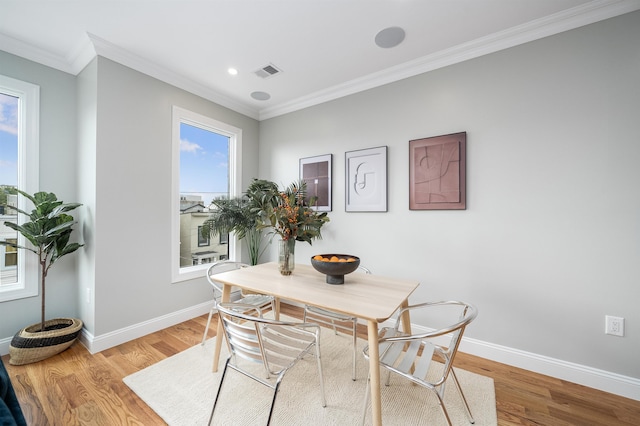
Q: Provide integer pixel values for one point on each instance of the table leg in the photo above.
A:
(406, 318)
(226, 296)
(374, 373)
(276, 314)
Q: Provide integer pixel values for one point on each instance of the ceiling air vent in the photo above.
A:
(268, 71)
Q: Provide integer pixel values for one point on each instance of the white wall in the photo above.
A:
(549, 242)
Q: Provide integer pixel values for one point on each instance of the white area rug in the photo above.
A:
(181, 390)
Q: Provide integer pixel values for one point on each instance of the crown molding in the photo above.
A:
(124, 57)
(33, 53)
(569, 19)
(91, 46)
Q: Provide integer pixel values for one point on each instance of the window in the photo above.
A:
(206, 165)
(19, 147)
(203, 240)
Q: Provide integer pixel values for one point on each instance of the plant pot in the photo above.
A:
(32, 345)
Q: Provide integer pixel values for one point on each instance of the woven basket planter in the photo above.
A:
(32, 345)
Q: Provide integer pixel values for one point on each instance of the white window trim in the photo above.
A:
(181, 115)
(28, 179)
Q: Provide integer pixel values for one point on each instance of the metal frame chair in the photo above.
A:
(258, 300)
(410, 356)
(277, 345)
(337, 320)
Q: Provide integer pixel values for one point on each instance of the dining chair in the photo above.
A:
(259, 300)
(277, 345)
(337, 320)
(411, 356)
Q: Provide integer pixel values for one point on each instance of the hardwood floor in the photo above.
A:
(77, 388)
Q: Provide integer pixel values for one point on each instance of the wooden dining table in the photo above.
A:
(373, 298)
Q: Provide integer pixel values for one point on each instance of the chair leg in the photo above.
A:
(215, 402)
(355, 348)
(464, 399)
(442, 407)
(273, 401)
(206, 329)
(366, 399)
(321, 376)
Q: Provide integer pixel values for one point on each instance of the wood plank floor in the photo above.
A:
(77, 388)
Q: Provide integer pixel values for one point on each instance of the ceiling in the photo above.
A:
(324, 49)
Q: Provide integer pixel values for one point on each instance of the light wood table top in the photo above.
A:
(367, 296)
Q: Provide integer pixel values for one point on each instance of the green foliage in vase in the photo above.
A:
(265, 206)
(291, 217)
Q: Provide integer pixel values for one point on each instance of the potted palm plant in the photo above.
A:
(241, 216)
(48, 231)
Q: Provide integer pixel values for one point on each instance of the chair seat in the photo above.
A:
(255, 299)
(278, 345)
(327, 313)
(411, 356)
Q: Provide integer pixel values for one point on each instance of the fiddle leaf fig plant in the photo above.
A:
(48, 230)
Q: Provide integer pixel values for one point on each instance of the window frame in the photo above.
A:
(182, 115)
(28, 94)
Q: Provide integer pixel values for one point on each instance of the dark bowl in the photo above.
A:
(335, 271)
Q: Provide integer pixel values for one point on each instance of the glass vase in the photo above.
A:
(286, 256)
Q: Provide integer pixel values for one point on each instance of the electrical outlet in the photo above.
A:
(614, 325)
(88, 295)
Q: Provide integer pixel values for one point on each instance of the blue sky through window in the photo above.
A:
(204, 163)
(8, 140)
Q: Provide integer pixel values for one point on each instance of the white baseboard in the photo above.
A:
(99, 343)
(628, 387)
(606, 381)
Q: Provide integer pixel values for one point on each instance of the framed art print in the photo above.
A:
(437, 173)
(316, 172)
(366, 180)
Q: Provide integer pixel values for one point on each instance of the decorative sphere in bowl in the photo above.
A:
(335, 266)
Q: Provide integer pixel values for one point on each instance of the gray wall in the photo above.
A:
(549, 242)
(131, 222)
(114, 156)
(57, 165)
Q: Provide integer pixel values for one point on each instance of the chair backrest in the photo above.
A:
(449, 320)
(218, 267)
(275, 344)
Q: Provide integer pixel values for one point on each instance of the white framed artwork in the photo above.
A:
(366, 180)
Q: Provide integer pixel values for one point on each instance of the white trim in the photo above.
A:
(618, 384)
(181, 115)
(95, 344)
(28, 179)
(124, 57)
(576, 17)
(566, 20)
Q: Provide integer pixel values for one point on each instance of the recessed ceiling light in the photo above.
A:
(390, 37)
(232, 71)
(261, 96)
